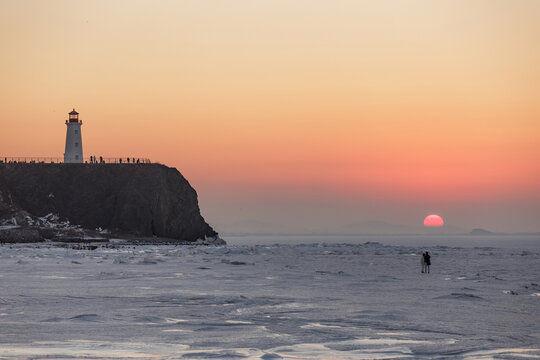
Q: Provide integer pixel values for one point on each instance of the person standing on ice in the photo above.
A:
(426, 258)
(423, 262)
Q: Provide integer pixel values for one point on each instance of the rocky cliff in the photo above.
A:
(143, 200)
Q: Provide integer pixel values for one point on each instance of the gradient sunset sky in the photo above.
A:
(293, 116)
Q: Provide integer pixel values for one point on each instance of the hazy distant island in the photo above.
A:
(482, 232)
(146, 203)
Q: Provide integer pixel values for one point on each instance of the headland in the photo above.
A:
(96, 201)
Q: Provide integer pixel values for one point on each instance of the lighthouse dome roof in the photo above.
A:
(73, 112)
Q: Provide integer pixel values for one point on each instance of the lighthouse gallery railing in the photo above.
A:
(60, 160)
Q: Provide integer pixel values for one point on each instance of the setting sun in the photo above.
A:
(433, 221)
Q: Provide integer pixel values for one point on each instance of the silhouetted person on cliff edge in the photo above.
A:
(427, 261)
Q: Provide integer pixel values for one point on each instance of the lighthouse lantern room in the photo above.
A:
(74, 152)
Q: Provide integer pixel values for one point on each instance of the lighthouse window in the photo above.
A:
(76, 144)
(76, 131)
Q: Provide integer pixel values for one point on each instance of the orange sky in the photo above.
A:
(302, 116)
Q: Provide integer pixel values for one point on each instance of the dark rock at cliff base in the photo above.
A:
(19, 236)
(142, 199)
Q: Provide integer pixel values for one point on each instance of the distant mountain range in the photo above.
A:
(376, 227)
(384, 228)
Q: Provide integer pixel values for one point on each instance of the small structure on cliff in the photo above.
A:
(73, 152)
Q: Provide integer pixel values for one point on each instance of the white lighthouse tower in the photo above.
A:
(73, 153)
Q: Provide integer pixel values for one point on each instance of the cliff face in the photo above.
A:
(144, 200)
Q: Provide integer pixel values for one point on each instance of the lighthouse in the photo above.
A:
(73, 153)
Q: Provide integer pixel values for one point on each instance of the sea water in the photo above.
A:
(531, 242)
(274, 297)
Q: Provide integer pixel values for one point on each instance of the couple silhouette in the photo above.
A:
(426, 262)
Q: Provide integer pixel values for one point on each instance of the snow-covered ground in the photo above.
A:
(314, 301)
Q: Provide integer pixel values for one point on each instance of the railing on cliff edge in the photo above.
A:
(89, 160)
